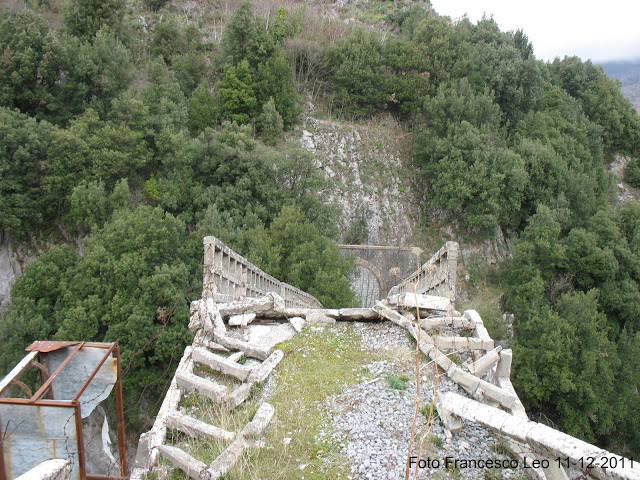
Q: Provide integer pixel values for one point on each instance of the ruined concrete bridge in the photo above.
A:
(236, 292)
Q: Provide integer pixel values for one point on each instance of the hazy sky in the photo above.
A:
(605, 30)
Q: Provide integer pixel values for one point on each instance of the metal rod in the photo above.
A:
(39, 403)
(46, 384)
(124, 470)
(93, 374)
(44, 376)
(106, 345)
(82, 462)
(23, 387)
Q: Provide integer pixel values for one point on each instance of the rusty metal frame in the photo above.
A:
(46, 385)
(36, 400)
(23, 386)
(44, 376)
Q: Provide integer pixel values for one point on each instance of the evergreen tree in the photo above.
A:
(239, 34)
(270, 123)
(83, 18)
(237, 98)
(203, 109)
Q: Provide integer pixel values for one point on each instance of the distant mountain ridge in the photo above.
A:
(628, 72)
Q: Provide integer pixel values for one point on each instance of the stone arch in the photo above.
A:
(368, 293)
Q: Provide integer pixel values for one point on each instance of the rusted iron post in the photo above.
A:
(124, 470)
(82, 461)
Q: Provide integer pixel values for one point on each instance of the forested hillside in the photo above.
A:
(131, 130)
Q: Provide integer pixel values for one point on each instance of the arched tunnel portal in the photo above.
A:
(378, 269)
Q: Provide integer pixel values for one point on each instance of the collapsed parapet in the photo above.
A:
(63, 418)
(544, 452)
(436, 277)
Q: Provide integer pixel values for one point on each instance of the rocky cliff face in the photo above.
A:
(367, 165)
(10, 268)
(13, 258)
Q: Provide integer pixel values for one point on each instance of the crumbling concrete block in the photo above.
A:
(357, 314)
(421, 301)
(221, 364)
(55, 469)
(435, 323)
(262, 371)
(196, 428)
(194, 383)
(319, 316)
(504, 366)
(390, 314)
(486, 362)
(297, 323)
(193, 467)
(464, 343)
(227, 459)
(241, 319)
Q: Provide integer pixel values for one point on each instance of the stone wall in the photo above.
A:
(379, 268)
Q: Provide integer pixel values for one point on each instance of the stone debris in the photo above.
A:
(385, 312)
(485, 363)
(319, 317)
(416, 300)
(226, 365)
(242, 319)
(436, 323)
(297, 323)
(196, 428)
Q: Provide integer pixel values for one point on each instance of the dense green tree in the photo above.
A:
(101, 71)
(165, 101)
(23, 155)
(32, 64)
(203, 109)
(566, 365)
(129, 286)
(472, 175)
(155, 5)
(357, 76)
(91, 149)
(34, 297)
(294, 251)
(602, 102)
(168, 37)
(576, 301)
(274, 80)
(492, 59)
(632, 172)
(270, 123)
(83, 18)
(410, 80)
(238, 102)
(239, 33)
(88, 205)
